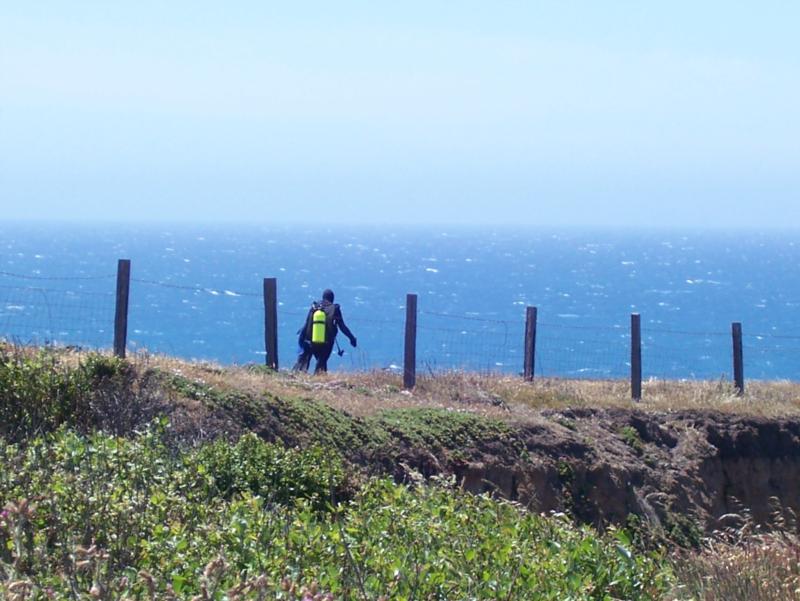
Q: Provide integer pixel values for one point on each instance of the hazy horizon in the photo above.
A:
(445, 226)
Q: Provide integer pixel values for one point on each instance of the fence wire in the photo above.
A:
(686, 355)
(775, 357)
(43, 316)
(227, 325)
(459, 342)
(205, 322)
(574, 351)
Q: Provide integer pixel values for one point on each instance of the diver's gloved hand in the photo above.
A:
(353, 342)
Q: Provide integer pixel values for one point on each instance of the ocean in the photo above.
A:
(196, 293)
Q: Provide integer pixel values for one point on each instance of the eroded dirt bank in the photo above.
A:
(603, 465)
(681, 470)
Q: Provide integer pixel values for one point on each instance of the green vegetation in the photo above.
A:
(631, 437)
(39, 393)
(440, 430)
(132, 516)
(101, 497)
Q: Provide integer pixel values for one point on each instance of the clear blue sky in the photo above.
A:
(606, 113)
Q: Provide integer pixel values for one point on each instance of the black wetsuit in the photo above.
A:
(321, 352)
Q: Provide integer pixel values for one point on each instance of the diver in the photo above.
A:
(318, 334)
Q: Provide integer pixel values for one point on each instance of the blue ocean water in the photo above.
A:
(197, 293)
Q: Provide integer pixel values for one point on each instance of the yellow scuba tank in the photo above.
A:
(318, 326)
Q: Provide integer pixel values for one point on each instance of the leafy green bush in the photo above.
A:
(271, 471)
(114, 518)
(38, 393)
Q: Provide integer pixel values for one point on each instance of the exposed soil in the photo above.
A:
(606, 464)
(685, 471)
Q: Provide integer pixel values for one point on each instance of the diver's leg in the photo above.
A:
(303, 360)
(322, 359)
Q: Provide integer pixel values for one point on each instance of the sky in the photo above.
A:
(563, 113)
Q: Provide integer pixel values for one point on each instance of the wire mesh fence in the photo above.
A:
(65, 311)
(576, 351)
(678, 354)
(772, 356)
(199, 318)
(468, 343)
(227, 325)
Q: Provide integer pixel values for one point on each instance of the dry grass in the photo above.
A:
(743, 561)
(507, 397)
(503, 396)
(763, 567)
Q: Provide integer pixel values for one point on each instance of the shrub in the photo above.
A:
(254, 467)
(37, 393)
(104, 517)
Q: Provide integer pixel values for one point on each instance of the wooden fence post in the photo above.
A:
(271, 322)
(121, 311)
(530, 343)
(738, 358)
(636, 357)
(410, 355)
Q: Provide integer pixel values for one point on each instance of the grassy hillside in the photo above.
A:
(156, 478)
